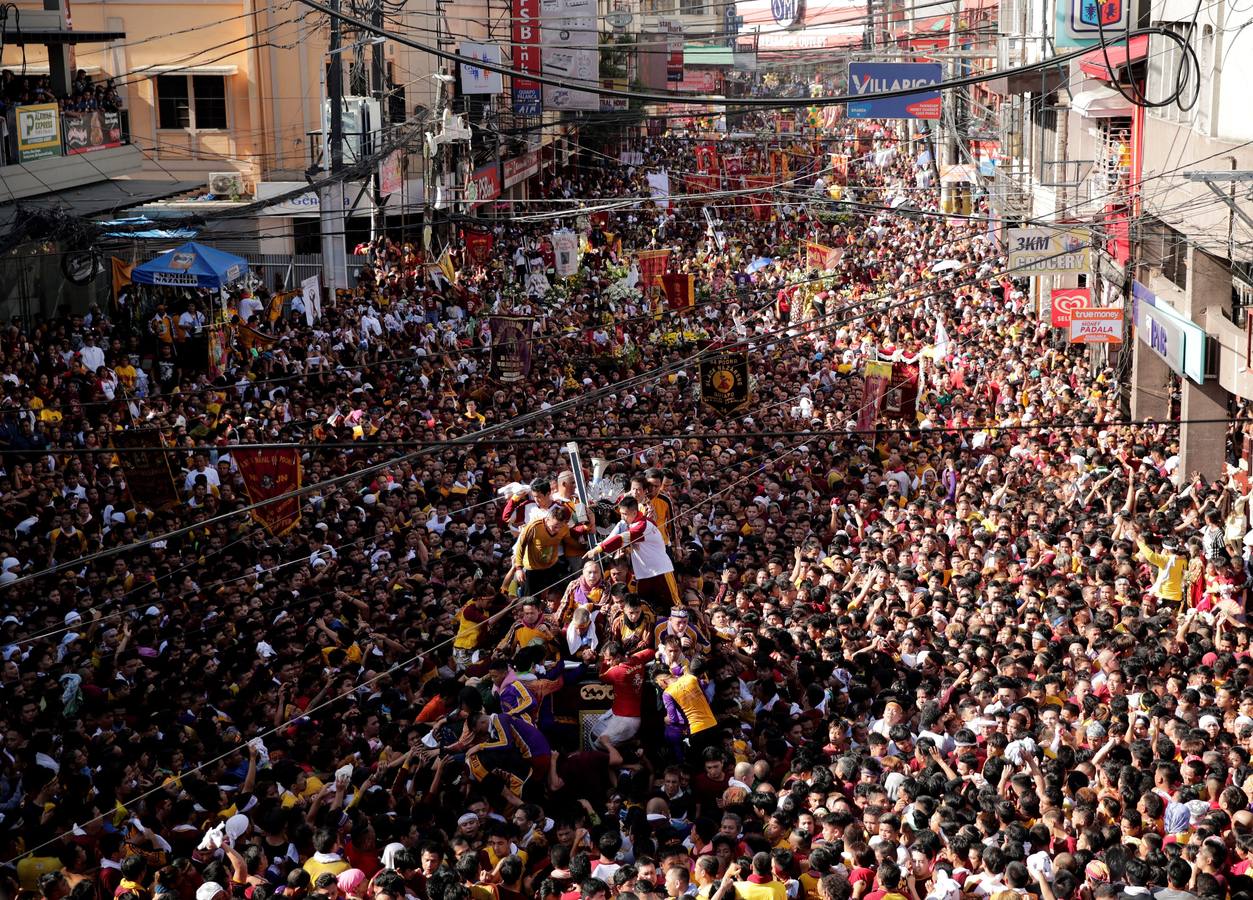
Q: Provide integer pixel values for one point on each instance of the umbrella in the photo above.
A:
(758, 264)
(946, 265)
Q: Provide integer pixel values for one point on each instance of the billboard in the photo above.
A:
(483, 186)
(1080, 23)
(874, 78)
(37, 130)
(526, 58)
(1094, 325)
(1065, 301)
(1048, 251)
(475, 80)
(93, 129)
(569, 40)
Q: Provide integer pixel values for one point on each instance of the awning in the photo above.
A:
(192, 265)
(1100, 102)
(961, 174)
(928, 32)
(102, 198)
(1093, 62)
(702, 55)
(187, 70)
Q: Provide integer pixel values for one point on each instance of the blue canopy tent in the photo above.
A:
(192, 265)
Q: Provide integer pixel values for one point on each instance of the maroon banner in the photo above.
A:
(901, 401)
(511, 347)
(760, 203)
(679, 288)
(652, 265)
(478, 246)
(146, 465)
(270, 473)
(878, 376)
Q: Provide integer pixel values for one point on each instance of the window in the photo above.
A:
(191, 102)
(1165, 57)
(692, 7)
(173, 103)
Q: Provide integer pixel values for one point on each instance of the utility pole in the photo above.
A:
(948, 114)
(379, 131)
(334, 256)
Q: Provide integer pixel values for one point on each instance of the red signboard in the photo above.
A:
(484, 185)
(520, 168)
(1064, 301)
(527, 92)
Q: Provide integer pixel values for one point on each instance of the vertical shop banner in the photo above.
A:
(653, 264)
(475, 79)
(270, 473)
(570, 39)
(878, 376)
(674, 51)
(527, 94)
(478, 246)
(1064, 301)
(724, 380)
(680, 289)
(511, 347)
(146, 465)
(565, 252)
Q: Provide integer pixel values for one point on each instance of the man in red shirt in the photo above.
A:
(625, 674)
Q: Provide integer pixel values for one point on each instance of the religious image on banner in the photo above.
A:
(878, 376)
(146, 465)
(219, 350)
(822, 257)
(901, 401)
(679, 289)
(724, 380)
(478, 246)
(652, 264)
(268, 473)
(565, 252)
(511, 347)
(759, 202)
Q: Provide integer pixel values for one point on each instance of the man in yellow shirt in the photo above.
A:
(537, 551)
(761, 885)
(1170, 565)
(326, 856)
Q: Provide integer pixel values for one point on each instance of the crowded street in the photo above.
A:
(762, 544)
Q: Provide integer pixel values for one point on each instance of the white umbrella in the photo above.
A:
(946, 265)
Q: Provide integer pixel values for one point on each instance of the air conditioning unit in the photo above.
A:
(226, 184)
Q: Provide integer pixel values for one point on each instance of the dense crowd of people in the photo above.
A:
(987, 643)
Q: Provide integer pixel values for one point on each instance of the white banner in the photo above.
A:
(566, 251)
(569, 40)
(659, 186)
(311, 293)
(475, 80)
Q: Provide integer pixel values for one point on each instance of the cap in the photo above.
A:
(209, 890)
